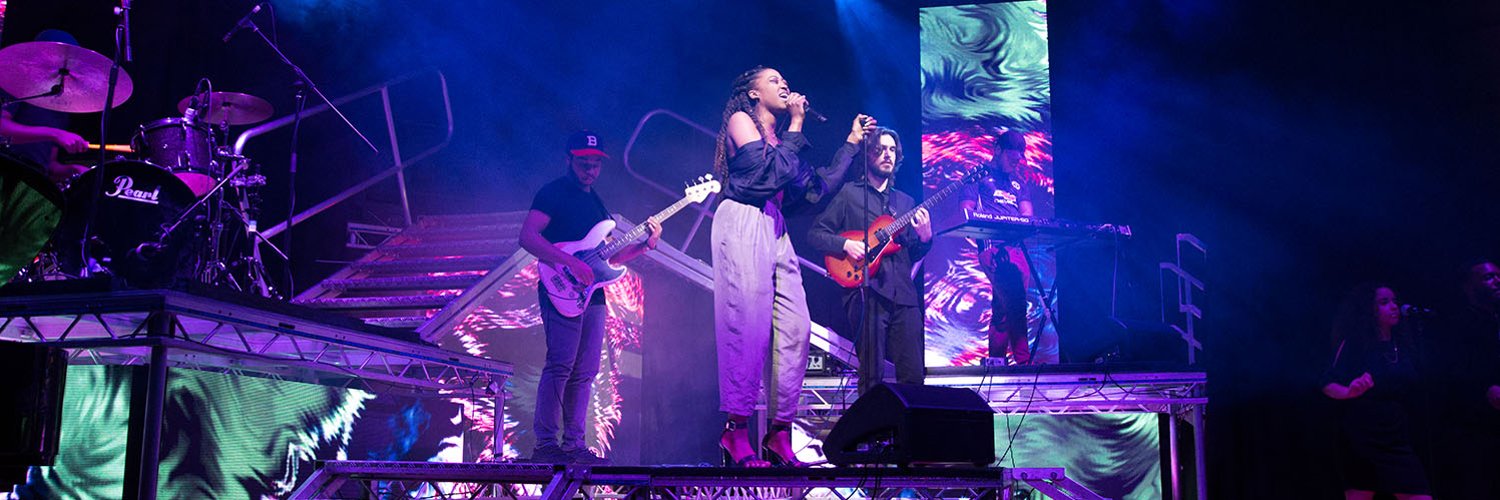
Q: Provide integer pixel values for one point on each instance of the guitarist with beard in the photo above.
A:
(887, 311)
(565, 210)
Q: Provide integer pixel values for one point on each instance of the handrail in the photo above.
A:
(703, 211)
(399, 163)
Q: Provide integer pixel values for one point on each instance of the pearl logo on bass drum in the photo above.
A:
(125, 190)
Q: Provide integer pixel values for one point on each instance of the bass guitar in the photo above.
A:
(566, 291)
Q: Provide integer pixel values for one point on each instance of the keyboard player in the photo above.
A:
(1005, 192)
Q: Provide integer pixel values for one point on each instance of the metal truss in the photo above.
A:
(1054, 393)
(123, 327)
(164, 328)
(368, 236)
(370, 479)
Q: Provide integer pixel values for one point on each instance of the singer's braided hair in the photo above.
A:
(739, 100)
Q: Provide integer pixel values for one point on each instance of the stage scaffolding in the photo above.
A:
(1180, 395)
(367, 479)
(241, 336)
(1014, 391)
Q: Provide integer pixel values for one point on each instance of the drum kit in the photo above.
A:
(175, 204)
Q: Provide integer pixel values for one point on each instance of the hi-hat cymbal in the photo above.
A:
(34, 68)
(230, 108)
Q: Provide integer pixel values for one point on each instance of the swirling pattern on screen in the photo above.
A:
(508, 325)
(235, 436)
(1114, 454)
(984, 72)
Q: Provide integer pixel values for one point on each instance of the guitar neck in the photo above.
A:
(905, 218)
(640, 229)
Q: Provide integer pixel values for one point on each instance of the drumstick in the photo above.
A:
(118, 148)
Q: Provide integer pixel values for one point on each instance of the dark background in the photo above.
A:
(1310, 146)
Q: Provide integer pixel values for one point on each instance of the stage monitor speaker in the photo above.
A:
(32, 392)
(903, 424)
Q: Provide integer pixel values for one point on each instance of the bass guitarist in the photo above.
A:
(887, 313)
(565, 210)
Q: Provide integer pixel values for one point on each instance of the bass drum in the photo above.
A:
(133, 204)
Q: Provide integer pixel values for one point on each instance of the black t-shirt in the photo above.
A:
(572, 213)
(1390, 363)
(1003, 194)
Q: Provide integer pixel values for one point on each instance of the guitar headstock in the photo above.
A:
(979, 172)
(704, 186)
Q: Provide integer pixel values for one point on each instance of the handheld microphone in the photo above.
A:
(814, 114)
(1414, 310)
(244, 22)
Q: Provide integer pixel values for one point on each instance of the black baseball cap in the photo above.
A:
(1010, 140)
(586, 143)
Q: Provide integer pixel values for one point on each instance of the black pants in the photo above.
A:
(887, 331)
(1008, 312)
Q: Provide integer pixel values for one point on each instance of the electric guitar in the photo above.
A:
(880, 239)
(571, 297)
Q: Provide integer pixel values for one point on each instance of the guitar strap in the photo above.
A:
(599, 203)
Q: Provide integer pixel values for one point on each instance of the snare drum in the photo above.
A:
(183, 147)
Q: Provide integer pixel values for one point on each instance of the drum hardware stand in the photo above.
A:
(43, 268)
(255, 267)
(57, 89)
(188, 212)
(302, 80)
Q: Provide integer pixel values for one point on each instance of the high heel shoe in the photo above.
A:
(750, 460)
(775, 458)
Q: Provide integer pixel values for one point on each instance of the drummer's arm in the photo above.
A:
(20, 133)
(59, 171)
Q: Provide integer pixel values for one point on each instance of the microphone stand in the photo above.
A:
(865, 336)
(303, 83)
(310, 85)
(122, 51)
(291, 198)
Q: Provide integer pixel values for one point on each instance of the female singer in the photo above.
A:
(1374, 379)
(760, 308)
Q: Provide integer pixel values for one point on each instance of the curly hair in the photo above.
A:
(739, 100)
(1355, 322)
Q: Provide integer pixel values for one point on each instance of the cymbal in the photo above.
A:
(34, 68)
(231, 108)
